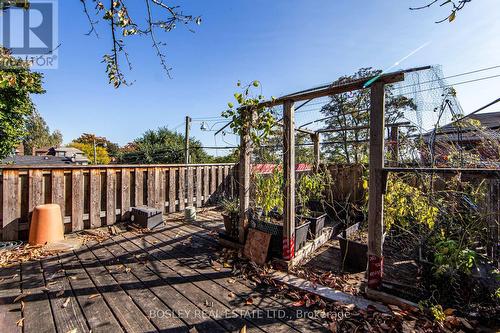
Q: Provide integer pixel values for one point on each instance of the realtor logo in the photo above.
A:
(30, 33)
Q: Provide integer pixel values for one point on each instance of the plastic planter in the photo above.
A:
(276, 232)
(317, 220)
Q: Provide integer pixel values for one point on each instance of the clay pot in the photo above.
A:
(46, 225)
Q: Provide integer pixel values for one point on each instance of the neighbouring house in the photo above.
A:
(478, 134)
(52, 156)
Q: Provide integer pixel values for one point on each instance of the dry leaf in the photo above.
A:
(333, 327)
(128, 269)
(300, 302)
(73, 330)
(193, 330)
(231, 294)
(21, 296)
(227, 265)
(66, 302)
(249, 301)
(231, 281)
(449, 311)
(94, 296)
(243, 329)
(22, 306)
(20, 322)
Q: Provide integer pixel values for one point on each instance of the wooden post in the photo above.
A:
(394, 133)
(289, 180)
(186, 140)
(376, 197)
(317, 152)
(11, 209)
(244, 182)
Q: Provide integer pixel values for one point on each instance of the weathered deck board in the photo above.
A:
(67, 313)
(166, 288)
(123, 266)
(10, 312)
(200, 258)
(127, 313)
(215, 283)
(37, 312)
(202, 253)
(121, 283)
(99, 317)
(187, 286)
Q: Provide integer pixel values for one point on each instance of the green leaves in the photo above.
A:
(17, 82)
(250, 116)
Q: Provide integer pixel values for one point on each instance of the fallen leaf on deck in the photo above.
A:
(231, 281)
(243, 329)
(249, 301)
(231, 294)
(128, 269)
(66, 302)
(21, 296)
(73, 330)
(193, 330)
(298, 303)
(227, 265)
(449, 311)
(20, 322)
(22, 305)
(94, 296)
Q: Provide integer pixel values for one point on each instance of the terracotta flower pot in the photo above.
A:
(46, 225)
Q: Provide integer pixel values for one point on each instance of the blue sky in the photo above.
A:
(287, 45)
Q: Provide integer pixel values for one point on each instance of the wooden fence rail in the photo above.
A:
(95, 196)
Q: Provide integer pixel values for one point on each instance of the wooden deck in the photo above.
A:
(158, 282)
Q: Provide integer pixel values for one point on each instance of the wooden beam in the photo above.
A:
(336, 89)
(289, 180)
(77, 200)
(315, 138)
(376, 188)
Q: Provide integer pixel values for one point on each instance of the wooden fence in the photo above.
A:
(95, 196)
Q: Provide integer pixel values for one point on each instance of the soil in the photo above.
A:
(359, 236)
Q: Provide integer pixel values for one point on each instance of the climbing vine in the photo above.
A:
(250, 114)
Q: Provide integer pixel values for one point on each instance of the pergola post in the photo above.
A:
(394, 134)
(376, 186)
(289, 180)
(317, 157)
(244, 182)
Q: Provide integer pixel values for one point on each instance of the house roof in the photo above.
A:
(36, 160)
(489, 120)
(450, 132)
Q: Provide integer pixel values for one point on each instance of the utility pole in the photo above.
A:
(186, 140)
(95, 152)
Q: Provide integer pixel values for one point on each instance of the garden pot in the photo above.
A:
(231, 225)
(316, 206)
(276, 232)
(317, 220)
(46, 225)
(354, 255)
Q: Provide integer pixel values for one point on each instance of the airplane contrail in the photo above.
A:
(369, 82)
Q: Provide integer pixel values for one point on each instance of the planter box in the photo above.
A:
(276, 232)
(316, 206)
(354, 255)
(317, 220)
(231, 225)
